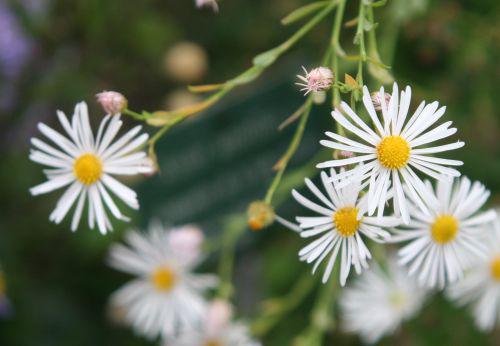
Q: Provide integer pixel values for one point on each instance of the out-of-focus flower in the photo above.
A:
(87, 164)
(480, 286)
(16, 49)
(379, 301)
(5, 308)
(260, 215)
(318, 79)
(180, 98)
(443, 243)
(339, 227)
(112, 102)
(166, 297)
(208, 3)
(217, 329)
(377, 101)
(390, 152)
(186, 62)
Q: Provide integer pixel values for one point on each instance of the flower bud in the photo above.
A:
(218, 316)
(318, 79)
(377, 101)
(149, 166)
(112, 102)
(209, 3)
(187, 240)
(260, 215)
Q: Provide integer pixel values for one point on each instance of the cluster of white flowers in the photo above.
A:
(443, 225)
(166, 299)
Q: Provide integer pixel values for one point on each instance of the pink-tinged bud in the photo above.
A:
(112, 102)
(218, 316)
(187, 240)
(318, 79)
(377, 100)
(149, 166)
(208, 3)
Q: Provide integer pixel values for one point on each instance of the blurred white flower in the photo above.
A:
(112, 102)
(209, 3)
(316, 80)
(480, 286)
(87, 164)
(391, 150)
(379, 301)
(444, 243)
(341, 224)
(166, 297)
(217, 329)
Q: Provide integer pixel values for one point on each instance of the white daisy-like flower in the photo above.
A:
(217, 329)
(166, 297)
(480, 286)
(446, 242)
(339, 227)
(379, 301)
(87, 165)
(394, 149)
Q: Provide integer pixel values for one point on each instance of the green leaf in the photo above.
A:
(303, 11)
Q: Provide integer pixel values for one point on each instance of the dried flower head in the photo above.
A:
(208, 3)
(112, 102)
(377, 100)
(318, 79)
(260, 215)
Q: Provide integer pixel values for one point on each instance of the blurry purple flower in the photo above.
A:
(5, 307)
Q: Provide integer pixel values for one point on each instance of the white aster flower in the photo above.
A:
(87, 164)
(393, 150)
(166, 297)
(339, 227)
(217, 329)
(446, 242)
(480, 286)
(379, 301)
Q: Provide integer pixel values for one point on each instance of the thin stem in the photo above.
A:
(292, 148)
(339, 16)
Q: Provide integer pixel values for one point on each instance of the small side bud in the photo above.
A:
(112, 102)
(377, 101)
(318, 79)
(149, 166)
(342, 154)
(208, 3)
(260, 215)
(219, 315)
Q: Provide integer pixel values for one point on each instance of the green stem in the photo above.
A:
(292, 148)
(336, 49)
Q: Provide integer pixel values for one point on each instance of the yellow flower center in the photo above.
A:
(212, 343)
(393, 152)
(444, 229)
(87, 169)
(163, 279)
(346, 221)
(495, 268)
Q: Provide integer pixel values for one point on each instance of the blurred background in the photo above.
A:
(54, 53)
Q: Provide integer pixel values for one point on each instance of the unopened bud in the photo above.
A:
(342, 154)
(187, 241)
(208, 3)
(218, 316)
(260, 215)
(377, 101)
(112, 102)
(318, 79)
(149, 166)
